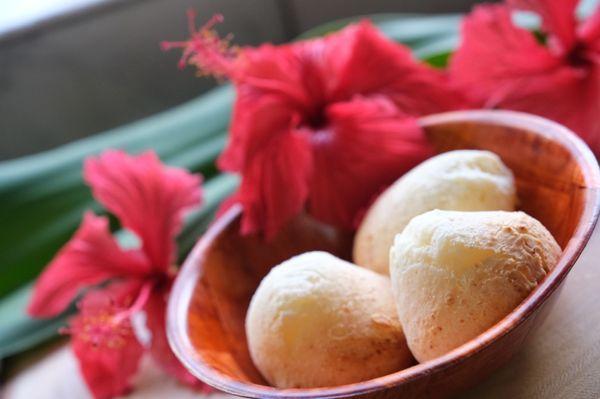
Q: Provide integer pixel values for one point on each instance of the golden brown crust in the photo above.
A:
(317, 321)
(465, 180)
(455, 274)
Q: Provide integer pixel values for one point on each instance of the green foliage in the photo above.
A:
(42, 197)
(20, 332)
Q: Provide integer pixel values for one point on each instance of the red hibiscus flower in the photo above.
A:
(149, 199)
(321, 124)
(502, 65)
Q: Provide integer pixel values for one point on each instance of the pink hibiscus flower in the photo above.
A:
(149, 199)
(502, 65)
(321, 124)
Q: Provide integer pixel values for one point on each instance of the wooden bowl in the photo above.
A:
(557, 181)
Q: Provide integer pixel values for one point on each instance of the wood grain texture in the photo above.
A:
(557, 181)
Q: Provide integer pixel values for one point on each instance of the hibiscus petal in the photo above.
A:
(361, 60)
(148, 198)
(589, 31)
(558, 18)
(104, 344)
(496, 59)
(275, 184)
(274, 161)
(370, 145)
(159, 347)
(282, 70)
(503, 66)
(89, 258)
(257, 118)
(281, 116)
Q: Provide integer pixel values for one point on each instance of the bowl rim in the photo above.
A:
(191, 271)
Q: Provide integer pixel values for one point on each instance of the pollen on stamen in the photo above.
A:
(100, 328)
(206, 50)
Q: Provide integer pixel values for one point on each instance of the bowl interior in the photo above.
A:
(235, 265)
(554, 183)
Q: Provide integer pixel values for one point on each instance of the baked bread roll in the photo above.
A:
(316, 320)
(456, 274)
(465, 180)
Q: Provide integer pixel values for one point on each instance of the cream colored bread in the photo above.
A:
(455, 274)
(316, 320)
(465, 180)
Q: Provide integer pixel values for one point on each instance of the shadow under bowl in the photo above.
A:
(557, 181)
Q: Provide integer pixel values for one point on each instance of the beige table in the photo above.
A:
(562, 361)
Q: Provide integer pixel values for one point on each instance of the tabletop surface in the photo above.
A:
(560, 361)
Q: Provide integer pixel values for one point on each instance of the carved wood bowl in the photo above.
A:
(557, 181)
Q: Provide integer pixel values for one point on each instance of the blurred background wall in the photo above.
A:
(98, 66)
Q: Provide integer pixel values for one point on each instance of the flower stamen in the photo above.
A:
(138, 305)
(105, 322)
(100, 328)
(211, 54)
